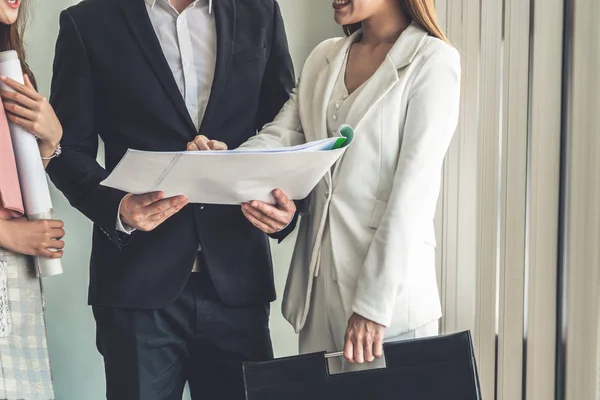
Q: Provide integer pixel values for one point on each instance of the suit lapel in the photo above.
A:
(385, 77)
(141, 26)
(374, 89)
(225, 17)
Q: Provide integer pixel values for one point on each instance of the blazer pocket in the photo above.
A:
(245, 56)
(377, 215)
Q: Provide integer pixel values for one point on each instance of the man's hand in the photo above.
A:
(363, 341)
(268, 218)
(147, 211)
(202, 143)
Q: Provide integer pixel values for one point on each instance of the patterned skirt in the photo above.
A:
(24, 364)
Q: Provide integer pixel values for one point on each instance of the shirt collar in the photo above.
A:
(152, 3)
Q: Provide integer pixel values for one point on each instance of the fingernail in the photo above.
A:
(3, 78)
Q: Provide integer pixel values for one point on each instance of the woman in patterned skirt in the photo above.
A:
(24, 365)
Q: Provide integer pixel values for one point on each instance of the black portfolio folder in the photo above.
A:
(434, 368)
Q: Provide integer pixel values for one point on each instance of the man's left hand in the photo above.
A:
(363, 341)
(270, 219)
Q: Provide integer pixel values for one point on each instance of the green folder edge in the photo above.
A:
(347, 136)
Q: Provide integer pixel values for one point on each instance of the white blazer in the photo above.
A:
(380, 201)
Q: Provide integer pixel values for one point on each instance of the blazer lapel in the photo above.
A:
(385, 77)
(225, 17)
(374, 89)
(141, 26)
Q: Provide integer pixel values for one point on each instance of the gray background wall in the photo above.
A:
(77, 368)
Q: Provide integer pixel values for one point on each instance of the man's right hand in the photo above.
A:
(145, 212)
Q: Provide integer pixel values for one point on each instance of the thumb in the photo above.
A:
(281, 198)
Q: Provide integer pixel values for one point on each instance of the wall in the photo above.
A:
(77, 368)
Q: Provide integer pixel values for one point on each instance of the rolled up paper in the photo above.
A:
(32, 176)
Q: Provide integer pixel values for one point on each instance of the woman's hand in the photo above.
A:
(201, 143)
(33, 238)
(363, 341)
(27, 108)
(268, 218)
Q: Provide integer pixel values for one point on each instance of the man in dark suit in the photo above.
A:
(180, 292)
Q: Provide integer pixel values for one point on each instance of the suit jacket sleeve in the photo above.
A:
(76, 172)
(431, 119)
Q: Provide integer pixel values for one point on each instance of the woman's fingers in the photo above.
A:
(28, 82)
(57, 233)
(50, 254)
(378, 345)
(20, 111)
(368, 347)
(349, 350)
(56, 244)
(25, 123)
(19, 98)
(23, 89)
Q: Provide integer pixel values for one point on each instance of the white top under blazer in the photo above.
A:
(381, 197)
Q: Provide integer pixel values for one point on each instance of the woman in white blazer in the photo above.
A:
(363, 268)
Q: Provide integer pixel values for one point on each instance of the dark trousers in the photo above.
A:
(151, 354)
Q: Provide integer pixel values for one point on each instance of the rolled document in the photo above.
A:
(32, 176)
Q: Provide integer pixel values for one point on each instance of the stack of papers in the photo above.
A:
(233, 176)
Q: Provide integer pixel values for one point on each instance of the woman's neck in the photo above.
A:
(385, 26)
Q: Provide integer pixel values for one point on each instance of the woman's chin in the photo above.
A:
(342, 20)
(8, 15)
(7, 21)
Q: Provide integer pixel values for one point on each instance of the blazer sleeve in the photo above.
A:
(431, 119)
(285, 130)
(76, 173)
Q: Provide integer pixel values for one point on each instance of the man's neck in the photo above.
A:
(181, 5)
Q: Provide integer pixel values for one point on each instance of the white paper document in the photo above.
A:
(233, 176)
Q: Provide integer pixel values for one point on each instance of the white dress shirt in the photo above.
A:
(189, 43)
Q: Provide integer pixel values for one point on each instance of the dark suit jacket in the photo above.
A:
(111, 80)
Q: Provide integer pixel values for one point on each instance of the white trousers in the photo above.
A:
(327, 319)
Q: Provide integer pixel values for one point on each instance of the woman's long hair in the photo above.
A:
(11, 38)
(421, 11)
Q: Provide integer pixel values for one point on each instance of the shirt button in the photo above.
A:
(187, 63)
(337, 106)
(334, 117)
(327, 193)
